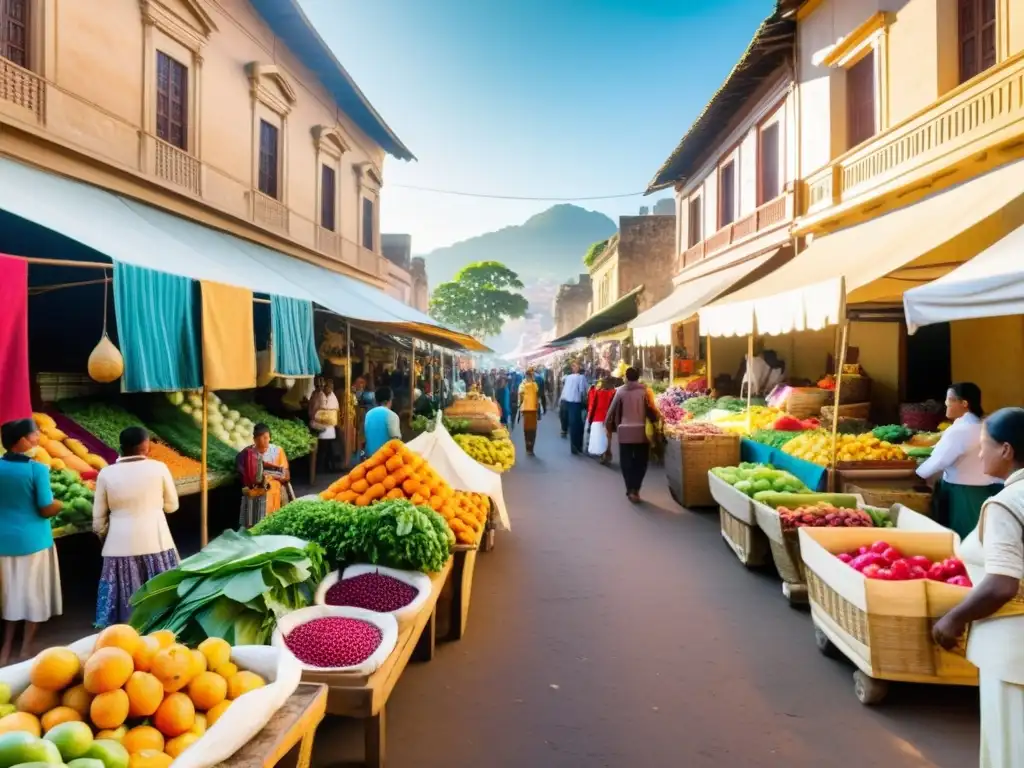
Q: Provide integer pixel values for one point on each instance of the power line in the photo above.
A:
(459, 193)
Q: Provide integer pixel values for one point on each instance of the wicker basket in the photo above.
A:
(849, 411)
(687, 463)
(854, 389)
(747, 541)
(785, 545)
(919, 501)
(806, 402)
(912, 417)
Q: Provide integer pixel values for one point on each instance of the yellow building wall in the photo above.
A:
(990, 352)
(878, 345)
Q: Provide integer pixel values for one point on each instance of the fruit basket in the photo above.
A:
(365, 595)
(739, 527)
(687, 462)
(883, 627)
(379, 639)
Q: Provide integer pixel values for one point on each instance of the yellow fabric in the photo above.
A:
(528, 396)
(875, 262)
(229, 343)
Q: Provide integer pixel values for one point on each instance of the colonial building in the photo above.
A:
(572, 304)
(639, 258)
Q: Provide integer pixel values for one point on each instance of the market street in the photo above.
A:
(603, 634)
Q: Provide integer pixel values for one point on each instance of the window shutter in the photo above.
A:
(327, 198)
(860, 101)
(14, 31)
(727, 195)
(976, 27)
(367, 223)
(694, 223)
(171, 101)
(769, 187)
(268, 159)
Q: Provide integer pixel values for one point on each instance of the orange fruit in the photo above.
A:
(163, 636)
(173, 667)
(144, 653)
(36, 701)
(227, 671)
(175, 716)
(243, 682)
(117, 734)
(119, 636)
(149, 758)
(78, 699)
(179, 744)
(145, 693)
(21, 721)
(108, 669)
(216, 650)
(143, 737)
(207, 690)
(59, 715)
(214, 714)
(55, 669)
(109, 710)
(199, 727)
(198, 663)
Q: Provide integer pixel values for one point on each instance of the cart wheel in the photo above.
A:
(869, 690)
(825, 645)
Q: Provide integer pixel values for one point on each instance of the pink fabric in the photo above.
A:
(15, 391)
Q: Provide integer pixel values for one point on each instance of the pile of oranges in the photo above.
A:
(153, 695)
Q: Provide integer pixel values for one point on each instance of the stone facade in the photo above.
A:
(641, 254)
(572, 305)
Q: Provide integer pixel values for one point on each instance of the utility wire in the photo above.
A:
(459, 193)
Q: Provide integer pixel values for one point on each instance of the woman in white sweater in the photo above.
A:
(132, 499)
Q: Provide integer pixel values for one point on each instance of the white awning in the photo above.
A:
(875, 262)
(989, 285)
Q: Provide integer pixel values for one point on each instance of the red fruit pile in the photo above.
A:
(334, 641)
(372, 591)
(882, 561)
(823, 516)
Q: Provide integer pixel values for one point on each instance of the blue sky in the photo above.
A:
(543, 98)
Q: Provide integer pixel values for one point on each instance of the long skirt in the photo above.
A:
(598, 443)
(30, 586)
(122, 577)
(959, 506)
(253, 509)
(1002, 722)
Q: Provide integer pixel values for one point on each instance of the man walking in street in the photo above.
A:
(631, 409)
(530, 398)
(574, 395)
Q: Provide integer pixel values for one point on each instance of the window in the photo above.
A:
(328, 199)
(727, 194)
(769, 154)
(268, 159)
(976, 36)
(694, 223)
(861, 123)
(14, 31)
(368, 223)
(171, 101)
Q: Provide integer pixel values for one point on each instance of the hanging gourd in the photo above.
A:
(105, 361)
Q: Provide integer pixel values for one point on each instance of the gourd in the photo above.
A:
(105, 362)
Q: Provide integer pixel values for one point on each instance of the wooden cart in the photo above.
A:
(293, 724)
(365, 697)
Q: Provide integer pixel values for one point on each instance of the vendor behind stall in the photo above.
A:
(382, 423)
(765, 372)
(963, 486)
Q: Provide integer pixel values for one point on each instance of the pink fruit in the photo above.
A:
(920, 560)
(900, 570)
(863, 550)
(884, 574)
(917, 572)
(936, 572)
(879, 547)
(959, 581)
(892, 554)
(953, 567)
(845, 557)
(871, 571)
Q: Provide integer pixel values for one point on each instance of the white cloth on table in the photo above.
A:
(132, 500)
(598, 439)
(956, 455)
(30, 587)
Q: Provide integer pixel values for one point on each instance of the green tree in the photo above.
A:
(483, 296)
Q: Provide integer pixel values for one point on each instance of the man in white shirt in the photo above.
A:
(574, 395)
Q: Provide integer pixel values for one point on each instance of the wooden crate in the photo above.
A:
(919, 501)
(687, 463)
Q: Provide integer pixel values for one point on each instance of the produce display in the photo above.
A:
(182, 467)
(177, 426)
(76, 495)
(885, 562)
(103, 420)
(893, 433)
(691, 429)
(494, 452)
(226, 425)
(776, 499)
(750, 478)
(58, 451)
(234, 589)
(334, 641)
(670, 404)
(393, 533)
(774, 437)
(291, 435)
(134, 702)
(787, 423)
(372, 591)
(759, 417)
(829, 516)
(816, 447)
(426, 424)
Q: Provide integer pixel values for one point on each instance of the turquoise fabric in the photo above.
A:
(753, 451)
(157, 330)
(813, 476)
(24, 490)
(295, 352)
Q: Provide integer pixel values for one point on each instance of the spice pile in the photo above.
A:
(334, 641)
(372, 591)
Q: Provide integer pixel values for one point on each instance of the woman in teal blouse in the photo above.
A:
(29, 572)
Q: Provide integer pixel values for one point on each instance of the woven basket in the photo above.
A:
(919, 501)
(848, 411)
(854, 389)
(922, 421)
(747, 541)
(698, 455)
(806, 402)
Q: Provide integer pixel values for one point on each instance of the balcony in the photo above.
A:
(23, 89)
(269, 212)
(176, 166)
(981, 120)
(767, 218)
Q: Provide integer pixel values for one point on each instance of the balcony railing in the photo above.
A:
(269, 212)
(978, 116)
(22, 88)
(178, 167)
(772, 214)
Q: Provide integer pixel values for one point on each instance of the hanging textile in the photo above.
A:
(15, 391)
(156, 327)
(291, 341)
(229, 342)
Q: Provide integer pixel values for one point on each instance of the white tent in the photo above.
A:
(989, 285)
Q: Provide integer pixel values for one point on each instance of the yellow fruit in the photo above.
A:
(207, 690)
(109, 710)
(199, 727)
(145, 692)
(175, 716)
(119, 636)
(44, 421)
(147, 648)
(242, 683)
(59, 715)
(143, 737)
(227, 671)
(21, 721)
(55, 669)
(173, 667)
(214, 714)
(198, 663)
(217, 652)
(163, 636)
(149, 758)
(36, 700)
(179, 744)
(116, 734)
(108, 669)
(78, 699)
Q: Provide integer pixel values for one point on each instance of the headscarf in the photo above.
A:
(13, 431)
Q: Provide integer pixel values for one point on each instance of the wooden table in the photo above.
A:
(453, 608)
(294, 723)
(365, 697)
